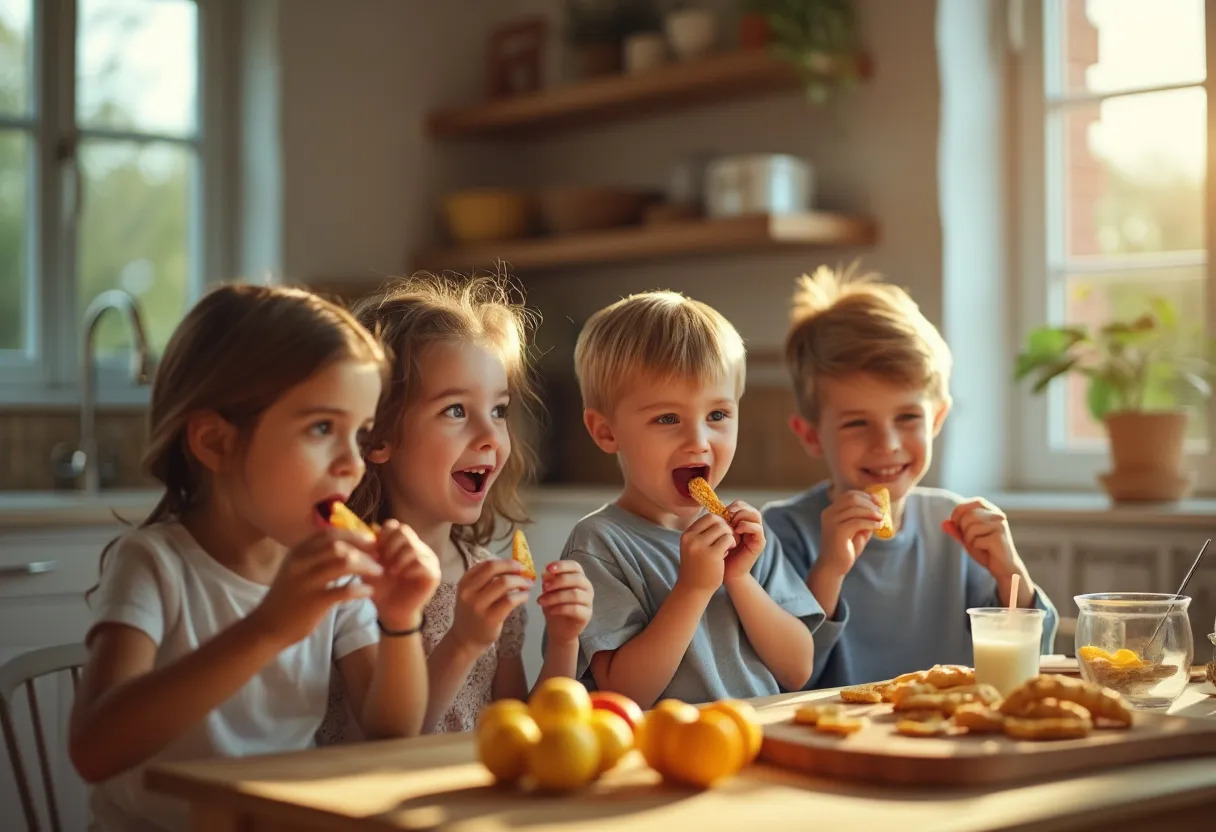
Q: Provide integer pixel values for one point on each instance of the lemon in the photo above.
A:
(559, 699)
(615, 738)
(744, 716)
(703, 752)
(566, 757)
(651, 733)
(500, 709)
(503, 745)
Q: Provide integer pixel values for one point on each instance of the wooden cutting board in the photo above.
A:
(878, 754)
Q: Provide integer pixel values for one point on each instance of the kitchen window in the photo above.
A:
(1115, 199)
(107, 150)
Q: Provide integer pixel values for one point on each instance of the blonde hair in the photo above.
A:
(425, 309)
(659, 334)
(845, 323)
(237, 351)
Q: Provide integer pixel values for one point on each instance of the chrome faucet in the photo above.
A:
(86, 459)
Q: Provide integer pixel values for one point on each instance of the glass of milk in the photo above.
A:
(1006, 645)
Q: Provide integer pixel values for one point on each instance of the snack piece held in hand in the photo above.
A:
(523, 555)
(704, 494)
(336, 513)
(880, 493)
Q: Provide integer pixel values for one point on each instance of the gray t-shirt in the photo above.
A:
(633, 565)
(903, 605)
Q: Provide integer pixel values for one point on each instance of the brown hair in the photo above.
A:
(846, 323)
(661, 334)
(424, 309)
(236, 352)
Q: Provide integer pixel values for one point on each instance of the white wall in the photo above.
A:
(361, 181)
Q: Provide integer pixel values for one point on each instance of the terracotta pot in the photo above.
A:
(1146, 452)
(754, 32)
(592, 60)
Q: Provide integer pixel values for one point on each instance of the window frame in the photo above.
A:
(1038, 463)
(46, 372)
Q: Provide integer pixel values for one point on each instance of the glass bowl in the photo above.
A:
(1137, 643)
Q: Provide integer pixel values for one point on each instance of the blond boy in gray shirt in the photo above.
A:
(687, 604)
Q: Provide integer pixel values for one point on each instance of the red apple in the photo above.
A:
(619, 704)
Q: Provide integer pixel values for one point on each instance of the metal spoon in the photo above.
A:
(1178, 594)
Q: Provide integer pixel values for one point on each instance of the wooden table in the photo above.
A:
(435, 783)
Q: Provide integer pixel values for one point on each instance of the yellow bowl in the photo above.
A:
(482, 215)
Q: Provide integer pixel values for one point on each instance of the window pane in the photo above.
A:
(1123, 44)
(14, 236)
(1134, 174)
(135, 233)
(1097, 299)
(137, 65)
(15, 57)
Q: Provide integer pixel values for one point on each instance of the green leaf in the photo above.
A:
(1101, 398)
(1164, 312)
(1053, 342)
(1053, 371)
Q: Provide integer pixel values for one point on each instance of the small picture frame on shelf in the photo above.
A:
(515, 57)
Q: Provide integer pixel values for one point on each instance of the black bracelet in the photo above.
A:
(386, 631)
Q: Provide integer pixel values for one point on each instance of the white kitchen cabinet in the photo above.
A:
(44, 573)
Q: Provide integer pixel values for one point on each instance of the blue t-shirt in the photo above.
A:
(633, 564)
(903, 605)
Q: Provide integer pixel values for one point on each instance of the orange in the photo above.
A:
(503, 745)
(703, 752)
(497, 710)
(1124, 657)
(615, 736)
(1089, 652)
(651, 733)
(566, 757)
(744, 716)
(559, 699)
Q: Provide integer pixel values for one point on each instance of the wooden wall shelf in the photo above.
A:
(719, 77)
(754, 233)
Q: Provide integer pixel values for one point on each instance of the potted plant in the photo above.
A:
(1142, 374)
(821, 38)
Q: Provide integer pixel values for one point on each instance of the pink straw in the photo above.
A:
(1013, 592)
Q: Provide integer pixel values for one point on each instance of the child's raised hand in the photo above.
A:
(411, 575)
(983, 530)
(485, 596)
(304, 588)
(847, 526)
(748, 528)
(565, 600)
(703, 549)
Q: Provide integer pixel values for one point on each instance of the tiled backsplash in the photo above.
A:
(28, 437)
(768, 455)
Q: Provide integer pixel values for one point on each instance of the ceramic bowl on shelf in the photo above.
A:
(482, 215)
(574, 208)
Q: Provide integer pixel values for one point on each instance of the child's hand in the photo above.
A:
(703, 549)
(748, 528)
(848, 524)
(983, 530)
(304, 588)
(411, 575)
(565, 600)
(485, 596)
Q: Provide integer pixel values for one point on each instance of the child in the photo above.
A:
(871, 381)
(446, 459)
(687, 605)
(218, 619)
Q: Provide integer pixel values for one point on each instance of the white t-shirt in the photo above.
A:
(159, 580)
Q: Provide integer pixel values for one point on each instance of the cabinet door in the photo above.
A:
(43, 577)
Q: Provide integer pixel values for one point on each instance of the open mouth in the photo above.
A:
(473, 480)
(682, 476)
(888, 473)
(325, 508)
